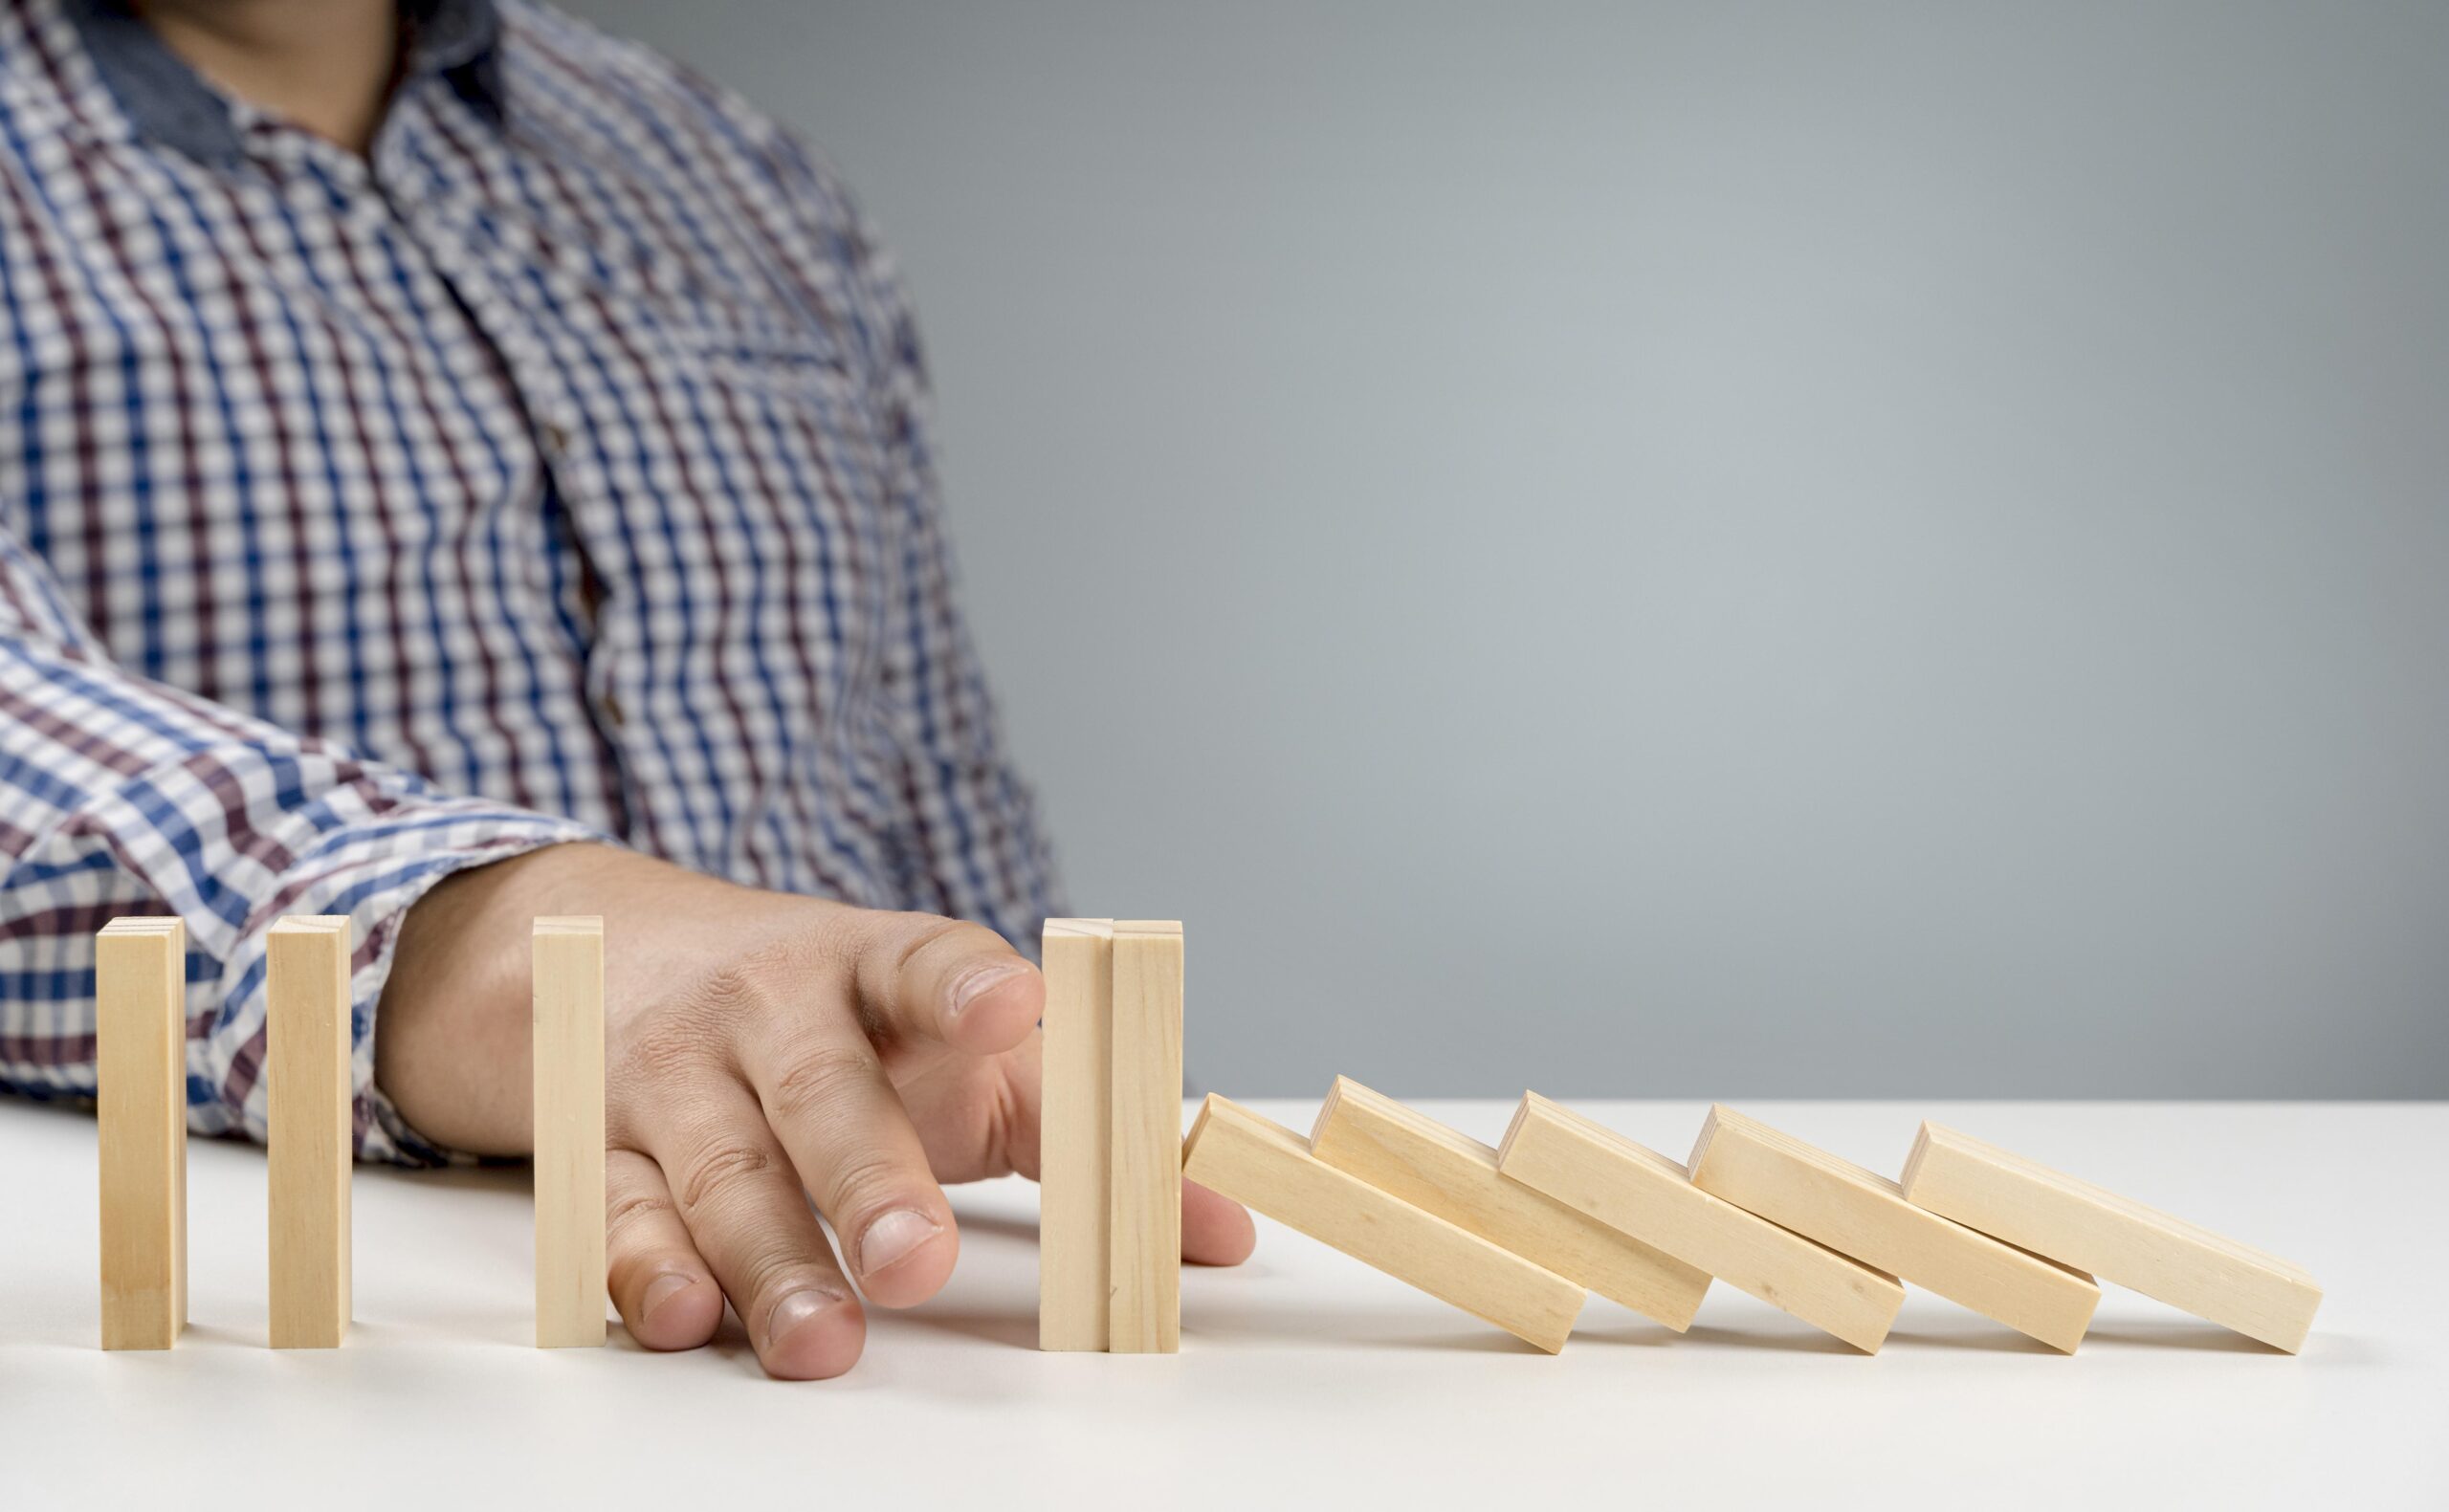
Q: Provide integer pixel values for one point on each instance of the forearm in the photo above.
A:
(119, 796)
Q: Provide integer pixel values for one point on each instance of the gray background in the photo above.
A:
(1718, 549)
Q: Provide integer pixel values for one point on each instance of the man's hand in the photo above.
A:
(758, 1044)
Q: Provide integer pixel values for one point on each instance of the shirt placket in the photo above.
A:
(441, 216)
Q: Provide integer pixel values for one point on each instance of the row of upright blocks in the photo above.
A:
(141, 1010)
(1518, 1234)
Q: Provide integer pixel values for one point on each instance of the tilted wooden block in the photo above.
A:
(1454, 1176)
(1145, 1239)
(1268, 1168)
(1075, 1134)
(566, 963)
(1596, 1170)
(2119, 1241)
(312, 1123)
(141, 1039)
(1862, 1214)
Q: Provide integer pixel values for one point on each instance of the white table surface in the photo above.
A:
(1301, 1373)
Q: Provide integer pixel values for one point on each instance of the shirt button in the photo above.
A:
(554, 438)
(612, 707)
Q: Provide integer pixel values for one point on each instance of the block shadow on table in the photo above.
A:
(1982, 1341)
(2177, 1333)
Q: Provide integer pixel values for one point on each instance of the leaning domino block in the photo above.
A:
(1454, 1176)
(1110, 1215)
(1864, 1214)
(2191, 1268)
(139, 1010)
(1857, 1213)
(1629, 1187)
(1266, 1166)
(312, 1120)
(566, 967)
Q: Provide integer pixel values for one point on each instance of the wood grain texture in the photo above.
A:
(1075, 1132)
(2116, 1238)
(1414, 1157)
(1266, 1166)
(566, 965)
(140, 1011)
(311, 1119)
(1862, 1214)
(1630, 1187)
(1145, 1177)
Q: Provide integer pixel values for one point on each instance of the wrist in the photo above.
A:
(452, 1045)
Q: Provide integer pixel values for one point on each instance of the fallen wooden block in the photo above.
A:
(1266, 1166)
(312, 1119)
(1634, 1189)
(2260, 1296)
(141, 1041)
(1402, 1152)
(1862, 1214)
(566, 963)
(1075, 1134)
(1145, 1213)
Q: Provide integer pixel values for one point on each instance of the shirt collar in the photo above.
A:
(167, 101)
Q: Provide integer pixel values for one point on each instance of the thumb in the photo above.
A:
(1216, 1230)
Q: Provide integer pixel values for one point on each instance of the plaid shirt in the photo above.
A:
(557, 470)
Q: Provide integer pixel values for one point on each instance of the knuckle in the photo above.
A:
(719, 1170)
(861, 1183)
(673, 1043)
(776, 1270)
(628, 1211)
(765, 992)
(705, 1022)
(819, 1078)
(925, 929)
(900, 944)
(734, 989)
(773, 1266)
(788, 959)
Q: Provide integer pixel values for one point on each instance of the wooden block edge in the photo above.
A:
(1225, 1109)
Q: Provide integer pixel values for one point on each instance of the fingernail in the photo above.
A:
(890, 1240)
(662, 1289)
(793, 1310)
(980, 983)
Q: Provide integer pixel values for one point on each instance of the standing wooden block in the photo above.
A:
(140, 1011)
(1145, 1239)
(1857, 1213)
(1455, 1176)
(566, 958)
(312, 1120)
(2119, 1241)
(1265, 1165)
(1075, 1128)
(1596, 1170)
